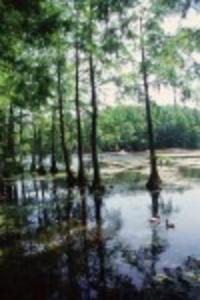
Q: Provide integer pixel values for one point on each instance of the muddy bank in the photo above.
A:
(176, 167)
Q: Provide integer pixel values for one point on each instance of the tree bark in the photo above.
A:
(154, 181)
(11, 142)
(96, 173)
(69, 173)
(21, 137)
(2, 153)
(53, 168)
(34, 142)
(1, 186)
(11, 160)
(95, 162)
(41, 170)
(81, 171)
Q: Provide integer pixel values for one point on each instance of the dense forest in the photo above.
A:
(99, 150)
(119, 128)
(56, 59)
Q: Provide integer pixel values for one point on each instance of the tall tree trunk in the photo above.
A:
(21, 138)
(2, 186)
(53, 169)
(96, 176)
(41, 169)
(2, 148)
(65, 150)
(11, 160)
(33, 154)
(81, 171)
(95, 161)
(154, 181)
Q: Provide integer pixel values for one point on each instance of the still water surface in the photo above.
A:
(57, 243)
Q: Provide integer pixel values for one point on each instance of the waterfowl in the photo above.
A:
(155, 220)
(169, 225)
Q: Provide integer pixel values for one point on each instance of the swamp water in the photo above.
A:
(68, 244)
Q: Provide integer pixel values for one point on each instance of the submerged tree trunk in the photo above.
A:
(154, 181)
(81, 171)
(69, 173)
(53, 168)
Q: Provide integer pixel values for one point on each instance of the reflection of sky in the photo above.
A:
(126, 231)
(130, 212)
(183, 241)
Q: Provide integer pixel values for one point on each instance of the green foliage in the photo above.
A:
(124, 127)
(36, 35)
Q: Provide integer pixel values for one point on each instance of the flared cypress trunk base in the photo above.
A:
(53, 170)
(32, 168)
(82, 180)
(19, 169)
(7, 171)
(97, 186)
(41, 170)
(71, 180)
(154, 182)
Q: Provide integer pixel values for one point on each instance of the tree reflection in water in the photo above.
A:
(62, 244)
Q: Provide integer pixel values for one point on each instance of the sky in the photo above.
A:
(110, 93)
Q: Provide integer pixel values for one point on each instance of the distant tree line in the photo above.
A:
(119, 128)
(124, 127)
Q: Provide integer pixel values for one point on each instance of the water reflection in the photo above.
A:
(155, 205)
(69, 244)
(157, 245)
